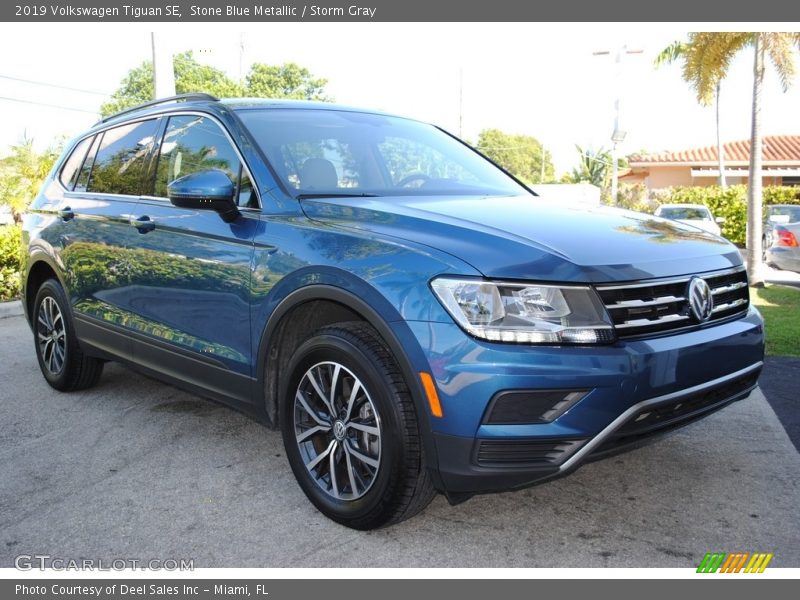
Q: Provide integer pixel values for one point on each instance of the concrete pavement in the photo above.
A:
(137, 469)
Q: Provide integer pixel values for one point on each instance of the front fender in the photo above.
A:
(339, 287)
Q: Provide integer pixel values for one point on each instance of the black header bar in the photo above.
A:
(247, 11)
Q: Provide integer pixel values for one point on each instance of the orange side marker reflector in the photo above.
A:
(430, 392)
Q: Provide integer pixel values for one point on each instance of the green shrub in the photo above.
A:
(730, 203)
(634, 197)
(10, 248)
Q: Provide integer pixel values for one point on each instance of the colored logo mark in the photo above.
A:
(735, 562)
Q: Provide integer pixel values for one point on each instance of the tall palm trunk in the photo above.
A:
(754, 200)
(720, 149)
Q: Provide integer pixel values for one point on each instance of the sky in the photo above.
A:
(536, 79)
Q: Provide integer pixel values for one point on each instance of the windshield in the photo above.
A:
(685, 213)
(337, 152)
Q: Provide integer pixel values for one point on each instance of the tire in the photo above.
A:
(61, 360)
(379, 477)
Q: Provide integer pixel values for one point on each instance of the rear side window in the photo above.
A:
(122, 159)
(72, 166)
(86, 168)
(193, 143)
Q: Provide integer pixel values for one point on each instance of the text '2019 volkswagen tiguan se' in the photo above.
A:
(410, 316)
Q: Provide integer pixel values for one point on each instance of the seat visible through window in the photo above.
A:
(318, 174)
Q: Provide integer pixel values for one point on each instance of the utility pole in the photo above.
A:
(241, 58)
(163, 69)
(541, 177)
(461, 103)
(618, 135)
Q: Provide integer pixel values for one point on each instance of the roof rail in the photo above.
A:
(178, 98)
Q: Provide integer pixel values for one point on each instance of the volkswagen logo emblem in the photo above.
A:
(339, 430)
(701, 301)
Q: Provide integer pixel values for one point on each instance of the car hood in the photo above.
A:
(527, 237)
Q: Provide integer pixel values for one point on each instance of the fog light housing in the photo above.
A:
(519, 407)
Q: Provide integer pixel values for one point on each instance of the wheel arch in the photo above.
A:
(317, 305)
(40, 269)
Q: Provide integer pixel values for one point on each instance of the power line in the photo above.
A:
(22, 101)
(54, 85)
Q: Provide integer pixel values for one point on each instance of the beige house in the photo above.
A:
(699, 166)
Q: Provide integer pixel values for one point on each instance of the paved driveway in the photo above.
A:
(138, 469)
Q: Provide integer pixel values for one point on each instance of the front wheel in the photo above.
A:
(350, 429)
(61, 360)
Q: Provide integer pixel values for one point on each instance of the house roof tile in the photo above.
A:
(777, 148)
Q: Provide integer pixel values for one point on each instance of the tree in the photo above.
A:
(675, 51)
(263, 81)
(708, 57)
(284, 81)
(592, 167)
(521, 155)
(22, 173)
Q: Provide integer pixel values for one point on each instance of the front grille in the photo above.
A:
(679, 411)
(661, 306)
(525, 453)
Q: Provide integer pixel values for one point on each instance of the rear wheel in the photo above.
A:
(61, 360)
(350, 429)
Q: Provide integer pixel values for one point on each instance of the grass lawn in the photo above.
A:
(781, 309)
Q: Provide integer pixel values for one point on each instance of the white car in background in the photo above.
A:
(6, 216)
(691, 214)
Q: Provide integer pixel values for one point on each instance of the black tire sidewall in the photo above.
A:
(53, 289)
(331, 347)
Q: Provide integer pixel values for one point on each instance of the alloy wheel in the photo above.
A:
(338, 431)
(51, 335)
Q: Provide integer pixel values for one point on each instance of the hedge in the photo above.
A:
(730, 203)
(10, 244)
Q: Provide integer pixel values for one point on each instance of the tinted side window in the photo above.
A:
(192, 144)
(86, 168)
(122, 158)
(69, 172)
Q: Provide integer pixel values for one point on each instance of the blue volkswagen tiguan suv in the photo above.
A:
(412, 318)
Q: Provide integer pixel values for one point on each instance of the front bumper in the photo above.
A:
(637, 389)
(550, 458)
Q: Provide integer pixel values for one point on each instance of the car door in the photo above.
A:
(192, 292)
(96, 232)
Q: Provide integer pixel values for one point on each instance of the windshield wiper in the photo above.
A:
(334, 195)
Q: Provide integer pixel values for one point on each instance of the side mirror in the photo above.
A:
(211, 189)
(719, 220)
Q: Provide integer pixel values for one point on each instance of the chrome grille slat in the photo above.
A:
(638, 303)
(661, 306)
(728, 288)
(729, 305)
(643, 322)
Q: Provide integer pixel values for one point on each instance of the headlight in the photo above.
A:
(509, 312)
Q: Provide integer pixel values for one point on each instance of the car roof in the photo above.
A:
(209, 103)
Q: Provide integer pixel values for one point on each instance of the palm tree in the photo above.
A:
(675, 51)
(592, 168)
(22, 174)
(707, 58)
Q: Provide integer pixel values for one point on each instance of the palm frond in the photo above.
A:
(780, 47)
(671, 53)
(708, 57)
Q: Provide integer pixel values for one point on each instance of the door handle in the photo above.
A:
(66, 213)
(143, 224)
